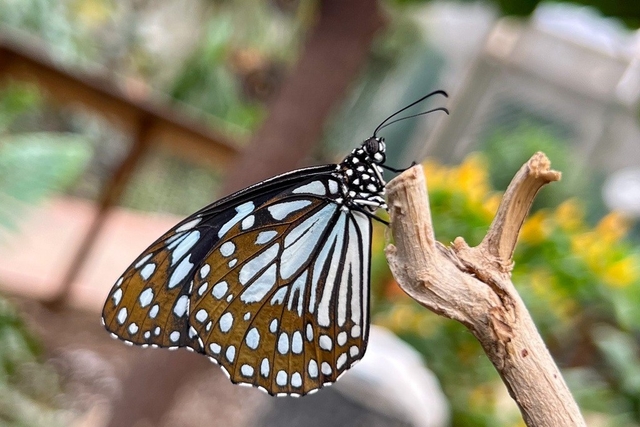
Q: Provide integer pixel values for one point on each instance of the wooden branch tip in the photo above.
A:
(500, 241)
(540, 167)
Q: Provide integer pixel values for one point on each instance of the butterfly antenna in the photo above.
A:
(412, 116)
(435, 92)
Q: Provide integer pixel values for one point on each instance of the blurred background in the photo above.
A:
(119, 118)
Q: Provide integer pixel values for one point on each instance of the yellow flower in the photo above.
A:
(435, 174)
(569, 215)
(536, 228)
(592, 248)
(622, 273)
(490, 205)
(612, 227)
(472, 177)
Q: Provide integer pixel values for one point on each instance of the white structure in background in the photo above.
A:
(568, 66)
(392, 379)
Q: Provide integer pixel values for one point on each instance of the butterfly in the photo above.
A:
(272, 282)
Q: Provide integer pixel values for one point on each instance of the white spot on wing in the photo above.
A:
(117, 296)
(333, 187)
(281, 378)
(226, 322)
(355, 331)
(309, 332)
(230, 353)
(227, 249)
(140, 263)
(181, 306)
(246, 370)
(133, 328)
(154, 311)
(264, 367)
(220, 289)
(326, 368)
(265, 237)
(203, 288)
(253, 338)
(260, 287)
(296, 380)
(251, 268)
(180, 272)
(202, 315)
(313, 368)
(325, 342)
(204, 271)
(215, 348)
(280, 211)
(122, 315)
(296, 342)
(354, 350)
(187, 243)
(283, 343)
(273, 326)
(278, 297)
(241, 211)
(175, 336)
(342, 359)
(315, 187)
(146, 297)
(188, 225)
(297, 290)
(147, 271)
(248, 222)
(342, 338)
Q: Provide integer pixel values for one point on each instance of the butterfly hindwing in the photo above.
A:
(281, 299)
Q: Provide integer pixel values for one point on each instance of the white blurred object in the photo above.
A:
(391, 378)
(621, 191)
(585, 25)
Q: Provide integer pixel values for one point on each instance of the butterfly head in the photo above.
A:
(375, 148)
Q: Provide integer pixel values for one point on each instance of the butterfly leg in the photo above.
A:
(389, 168)
(371, 215)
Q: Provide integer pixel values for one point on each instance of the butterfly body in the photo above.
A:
(272, 282)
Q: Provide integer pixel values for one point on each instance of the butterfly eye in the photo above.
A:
(372, 146)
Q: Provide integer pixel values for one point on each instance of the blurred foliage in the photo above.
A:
(507, 149)
(32, 166)
(29, 389)
(580, 282)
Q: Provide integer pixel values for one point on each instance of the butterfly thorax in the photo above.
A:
(362, 176)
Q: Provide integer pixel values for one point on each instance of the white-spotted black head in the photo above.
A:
(375, 149)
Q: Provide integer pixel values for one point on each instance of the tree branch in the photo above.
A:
(473, 286)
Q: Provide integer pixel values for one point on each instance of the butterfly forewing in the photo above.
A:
(280, 301)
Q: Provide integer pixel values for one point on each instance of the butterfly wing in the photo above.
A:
(149, 304)
(281, 301)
